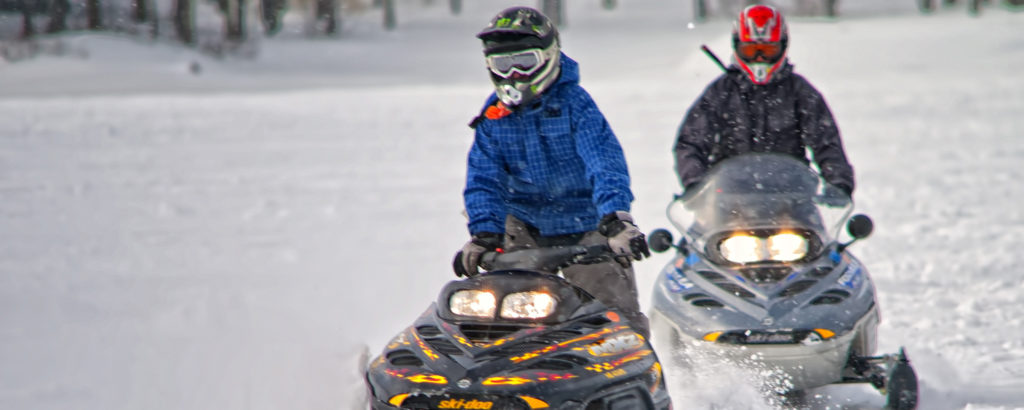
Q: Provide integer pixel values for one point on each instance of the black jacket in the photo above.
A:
(736, 116)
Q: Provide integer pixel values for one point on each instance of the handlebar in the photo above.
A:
(546, 259)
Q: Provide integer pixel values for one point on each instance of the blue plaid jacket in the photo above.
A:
(555, 164)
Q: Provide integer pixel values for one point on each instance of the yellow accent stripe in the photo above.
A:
(825, 333)
(534, 403)
(398, 399)
(713, 336)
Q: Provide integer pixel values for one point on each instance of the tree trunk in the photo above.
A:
(93, 15)
(390, 20)
(700, 10)
(154, 20)
(327, 17)
(455, 6)
(553, 10)
(234, 20)
(27, 29)
(831, 8)
(271, 12)
(58, 16)
(140, 11)
(184, 21)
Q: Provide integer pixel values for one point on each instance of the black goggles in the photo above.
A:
(748, 51)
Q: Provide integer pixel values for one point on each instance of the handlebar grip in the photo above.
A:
(546, 259)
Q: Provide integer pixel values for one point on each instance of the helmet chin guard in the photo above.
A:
(760, 73)
(509, 95)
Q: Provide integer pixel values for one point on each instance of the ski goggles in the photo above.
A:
(748, 51)
(524, 62)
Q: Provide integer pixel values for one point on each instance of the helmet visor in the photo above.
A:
(749, 51)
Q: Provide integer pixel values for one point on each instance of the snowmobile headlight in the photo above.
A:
(781, 247)
(786, 247)
(475, 303)
(742, 249)
(528, 305)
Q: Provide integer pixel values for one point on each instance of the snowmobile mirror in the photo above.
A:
(660, 240)
(860, 226)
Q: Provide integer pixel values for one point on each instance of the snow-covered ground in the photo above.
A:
(233, 239)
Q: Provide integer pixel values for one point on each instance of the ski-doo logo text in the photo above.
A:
(463, 404)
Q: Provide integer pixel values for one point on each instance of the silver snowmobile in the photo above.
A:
(760, 272)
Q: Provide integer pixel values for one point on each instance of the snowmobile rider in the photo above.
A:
(545, 168)
(760, 105)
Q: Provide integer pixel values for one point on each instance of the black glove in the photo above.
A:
(624, 238)
(835, 196)
(468, 258)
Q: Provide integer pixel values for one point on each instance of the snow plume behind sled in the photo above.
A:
(708, 378)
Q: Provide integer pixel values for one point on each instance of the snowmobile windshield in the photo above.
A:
(761, 208)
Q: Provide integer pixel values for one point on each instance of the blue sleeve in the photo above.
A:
(603, 157)
(484, 173)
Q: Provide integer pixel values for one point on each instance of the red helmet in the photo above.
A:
(759, 40)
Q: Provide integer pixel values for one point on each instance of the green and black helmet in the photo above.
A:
(522, 52)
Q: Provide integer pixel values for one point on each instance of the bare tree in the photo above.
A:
(270, 12)
(93, 15)
(27, 29)
(234, 19)
(390, 20)
(831, 8)
(553, 10)
(58, 16)
(184, 21)
(700, 10)
(327, 16)
(140, 10)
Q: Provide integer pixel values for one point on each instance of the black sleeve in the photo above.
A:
(695, 138)
(821, 134)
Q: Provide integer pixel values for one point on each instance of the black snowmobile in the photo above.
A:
(518, 337)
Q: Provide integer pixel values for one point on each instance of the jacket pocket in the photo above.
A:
(555, 126)
(557, 141)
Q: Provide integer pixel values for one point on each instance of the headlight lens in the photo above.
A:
(781, 247)
(786, 247)
(742, 249)
(528, 305)
(476, 303)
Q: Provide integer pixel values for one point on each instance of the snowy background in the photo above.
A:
(234, 238)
